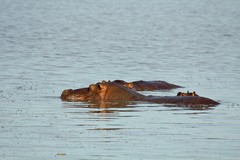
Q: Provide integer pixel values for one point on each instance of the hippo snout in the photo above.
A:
(74, 95)
(65, 94)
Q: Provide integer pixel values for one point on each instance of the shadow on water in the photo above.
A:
(102, 108)
(111, 116)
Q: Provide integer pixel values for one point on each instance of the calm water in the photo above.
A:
(47, 46)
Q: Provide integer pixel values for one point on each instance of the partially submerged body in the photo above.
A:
(111, 91)
(187, 94)
(148, 85)
(74, 95)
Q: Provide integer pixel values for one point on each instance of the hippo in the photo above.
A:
(148, 85)
(141, 85)
(112, 91)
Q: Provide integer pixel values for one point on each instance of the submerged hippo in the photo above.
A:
(111, 91)
(148, 85)
(135, 85)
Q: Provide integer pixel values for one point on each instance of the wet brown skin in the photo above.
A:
(111, 91)
(148, 85)
(187, 94)
(73, 95)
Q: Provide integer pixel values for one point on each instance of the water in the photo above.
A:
(47, 46)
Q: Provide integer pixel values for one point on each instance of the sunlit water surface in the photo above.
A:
(47, 46)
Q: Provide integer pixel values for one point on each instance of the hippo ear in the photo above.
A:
(103, 81)
(102, 90)
(102, 87)
(92, 87)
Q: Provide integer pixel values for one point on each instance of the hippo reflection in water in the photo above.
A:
(111, 91)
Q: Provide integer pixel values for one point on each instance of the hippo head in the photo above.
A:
(101, 91)
(73, 95)
(187, 94)
(126, 84)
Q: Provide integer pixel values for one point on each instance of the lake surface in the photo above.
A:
(47, 46)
